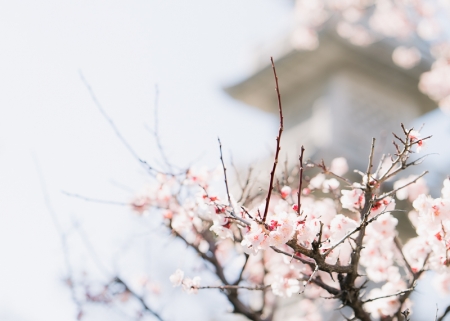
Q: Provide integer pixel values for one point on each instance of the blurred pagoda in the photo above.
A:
(337, 95)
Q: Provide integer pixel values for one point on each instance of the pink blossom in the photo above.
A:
(177, 278)
(305, 39)
(384, 227)
(285, 287)
(412, 191)
(446, 189)
(255, 239)
(191, 285)
(330, 185)
(385, 205)
(339, 166)
(317, 181)
(442, 282)
(385, 306)
(406, 57)
(285, 191)
(340, 226)
(353, 199)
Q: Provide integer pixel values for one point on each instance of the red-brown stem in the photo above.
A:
(224, 172)
(277, 151)
(300, 179)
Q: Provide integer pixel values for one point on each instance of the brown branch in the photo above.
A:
(224, 173)
(441, 318)
(325, 170)
(399, 246)
(412, 284)
(317, 257)
(300, 179)
(318, 281)
(389, 295)
(316, 268)
(235, 287)
(369, 166)
(277, 151)
(241, 273)
(293, 256)
(246, 185)
(232, 294)
(397, 189)
(139, 298)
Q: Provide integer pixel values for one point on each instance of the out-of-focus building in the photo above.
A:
(338, 96)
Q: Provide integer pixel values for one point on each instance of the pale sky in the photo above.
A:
(190, 49)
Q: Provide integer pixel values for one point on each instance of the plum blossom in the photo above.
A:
(305, 39)
(385, 205)
(317, 181)
(428, 29)
(282, 229)
(435, 83)
(222, 230)
(339, 166)
(307, 232)
(255, 239)
(285, 191)
(384, 227)
(385, 306)
(340, 226)
(353, 199)
(446, 189)
(406, 57)
(414, 136)
(442, 282)
(330, 185)
(432, 212)
(412, 191)
(416, 251)
(191, 285)
(285, 287)
(177, 278)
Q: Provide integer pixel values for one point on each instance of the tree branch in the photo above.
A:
(277, 151)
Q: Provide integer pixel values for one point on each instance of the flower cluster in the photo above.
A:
(189, 285)
(364, 22)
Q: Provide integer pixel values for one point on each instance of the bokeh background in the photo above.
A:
(53, 139)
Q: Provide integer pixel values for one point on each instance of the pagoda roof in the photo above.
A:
(299, 70)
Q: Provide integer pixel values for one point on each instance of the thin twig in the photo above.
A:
(277, 151)
(390, 295)
(149, 168)
(369, 167)
(397, 189)
(139, 298)
(246, 185)
(235, 287)
(62, 235)
(300, 179)
(441, 318)
(356, 229)
(399, 246)
(88, 199)
(156, 131)
(224, 172)
(311, 264)
(316, 268)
